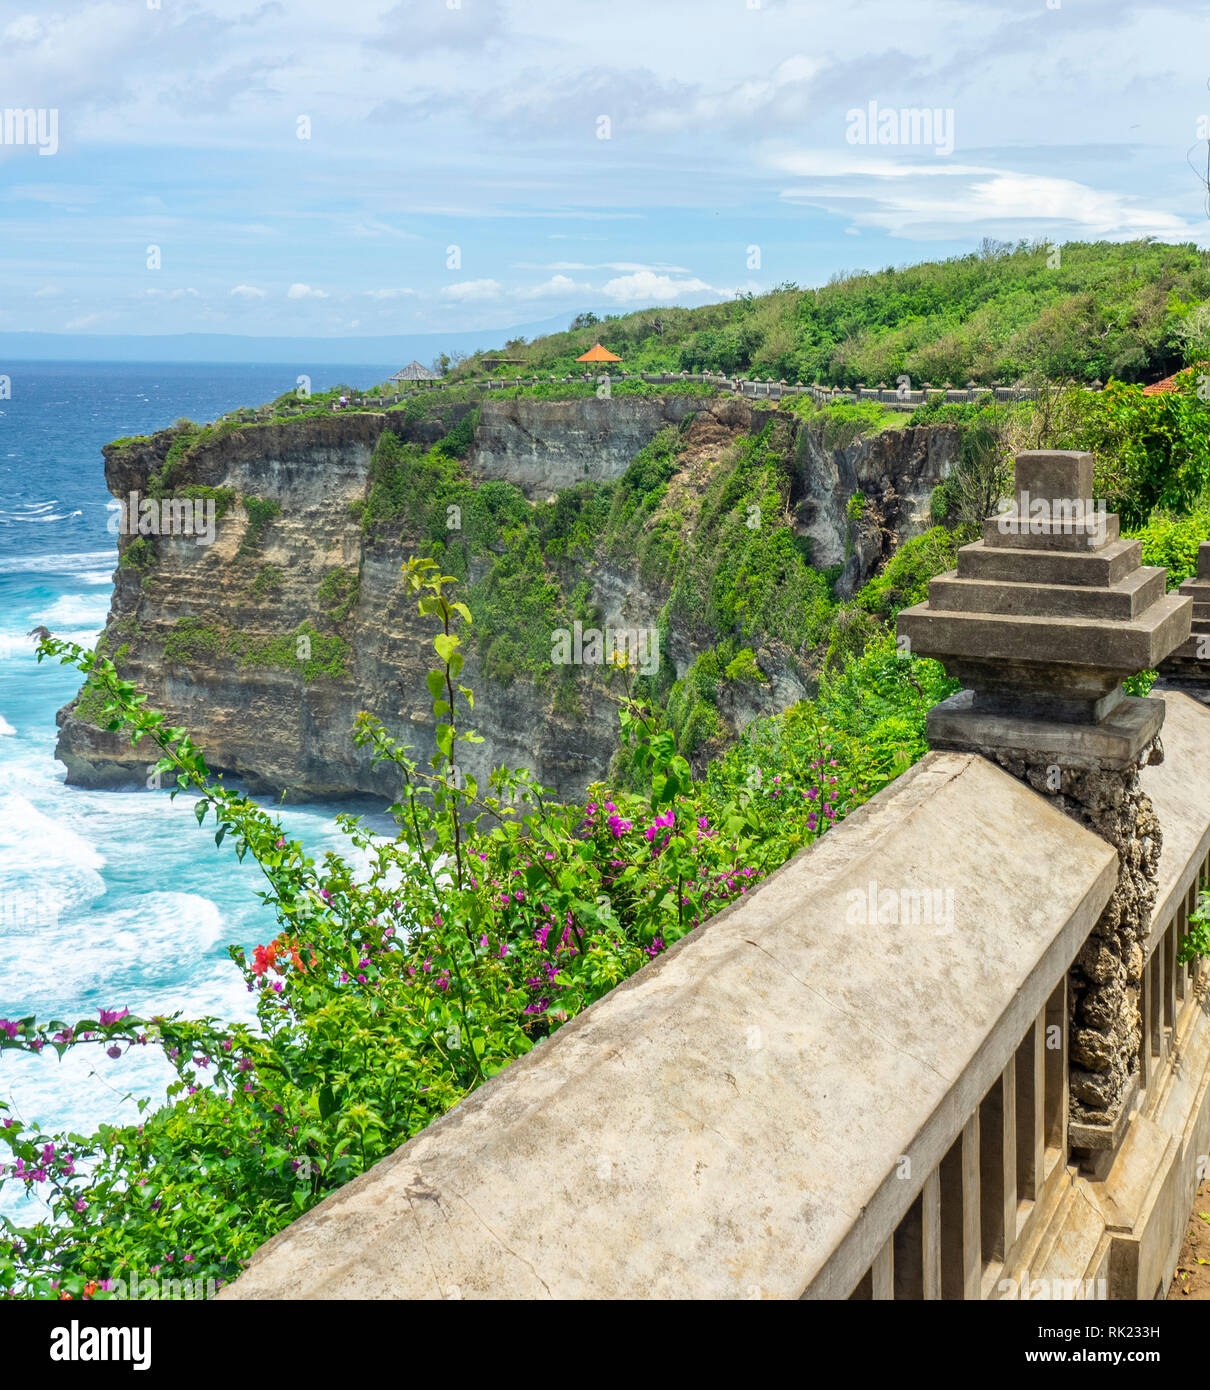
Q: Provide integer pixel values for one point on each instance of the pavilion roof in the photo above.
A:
(597, 353)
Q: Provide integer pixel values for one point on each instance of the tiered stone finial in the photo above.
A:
(1188, 668)
(1042, 621)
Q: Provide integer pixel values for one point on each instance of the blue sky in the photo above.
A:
(477, 124)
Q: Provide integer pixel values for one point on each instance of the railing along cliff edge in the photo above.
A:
(841, 1086)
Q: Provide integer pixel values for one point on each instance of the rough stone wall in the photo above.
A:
(1106, 978)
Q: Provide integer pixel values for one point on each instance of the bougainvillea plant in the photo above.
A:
(390, 991)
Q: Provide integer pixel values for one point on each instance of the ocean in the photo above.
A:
(108, 899)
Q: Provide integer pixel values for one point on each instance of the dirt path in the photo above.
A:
(1192, 1277)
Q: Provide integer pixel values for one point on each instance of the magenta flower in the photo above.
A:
(114, 1016)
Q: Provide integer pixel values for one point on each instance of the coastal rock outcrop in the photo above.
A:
(267, 643)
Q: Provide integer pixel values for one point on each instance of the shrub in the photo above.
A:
(260, 512)
(139, 554)
(385, 997)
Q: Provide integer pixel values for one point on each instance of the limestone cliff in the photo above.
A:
(267, 643)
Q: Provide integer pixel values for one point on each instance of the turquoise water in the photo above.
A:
(107, 899)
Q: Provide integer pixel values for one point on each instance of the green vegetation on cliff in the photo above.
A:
(720, 556)
(306, 650)
(400, 979)
(1093, 310)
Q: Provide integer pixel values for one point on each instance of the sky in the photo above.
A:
(373, 167)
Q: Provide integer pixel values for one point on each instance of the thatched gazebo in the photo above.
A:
(415, 372)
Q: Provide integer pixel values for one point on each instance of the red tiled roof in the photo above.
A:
(1169, 383)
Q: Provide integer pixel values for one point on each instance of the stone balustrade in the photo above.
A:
(949, 1051)
(895, 397)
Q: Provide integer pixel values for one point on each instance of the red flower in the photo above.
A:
(263, 958)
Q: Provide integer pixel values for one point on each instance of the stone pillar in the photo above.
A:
(1041, 622)
(1188, 668)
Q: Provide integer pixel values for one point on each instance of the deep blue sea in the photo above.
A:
(133, 904)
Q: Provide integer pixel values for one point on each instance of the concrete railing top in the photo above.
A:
(730, 1121)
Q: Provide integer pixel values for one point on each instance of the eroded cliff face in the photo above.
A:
(895, 471)
(211, 632)
(542, 446)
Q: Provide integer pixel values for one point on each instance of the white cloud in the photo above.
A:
(601, 265)
(84, 321)
(853, 163)
(248, 292)
(997, 202)
(647, 286)
(390, 294)
(473, 291)
(299, 291)
(557, 284)
(173, 294)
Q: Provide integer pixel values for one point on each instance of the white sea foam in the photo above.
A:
(76, 610)
(40, 839)
(47, 870)
(5, 727)
(129, 957)
(58, 564)
(31, 508)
